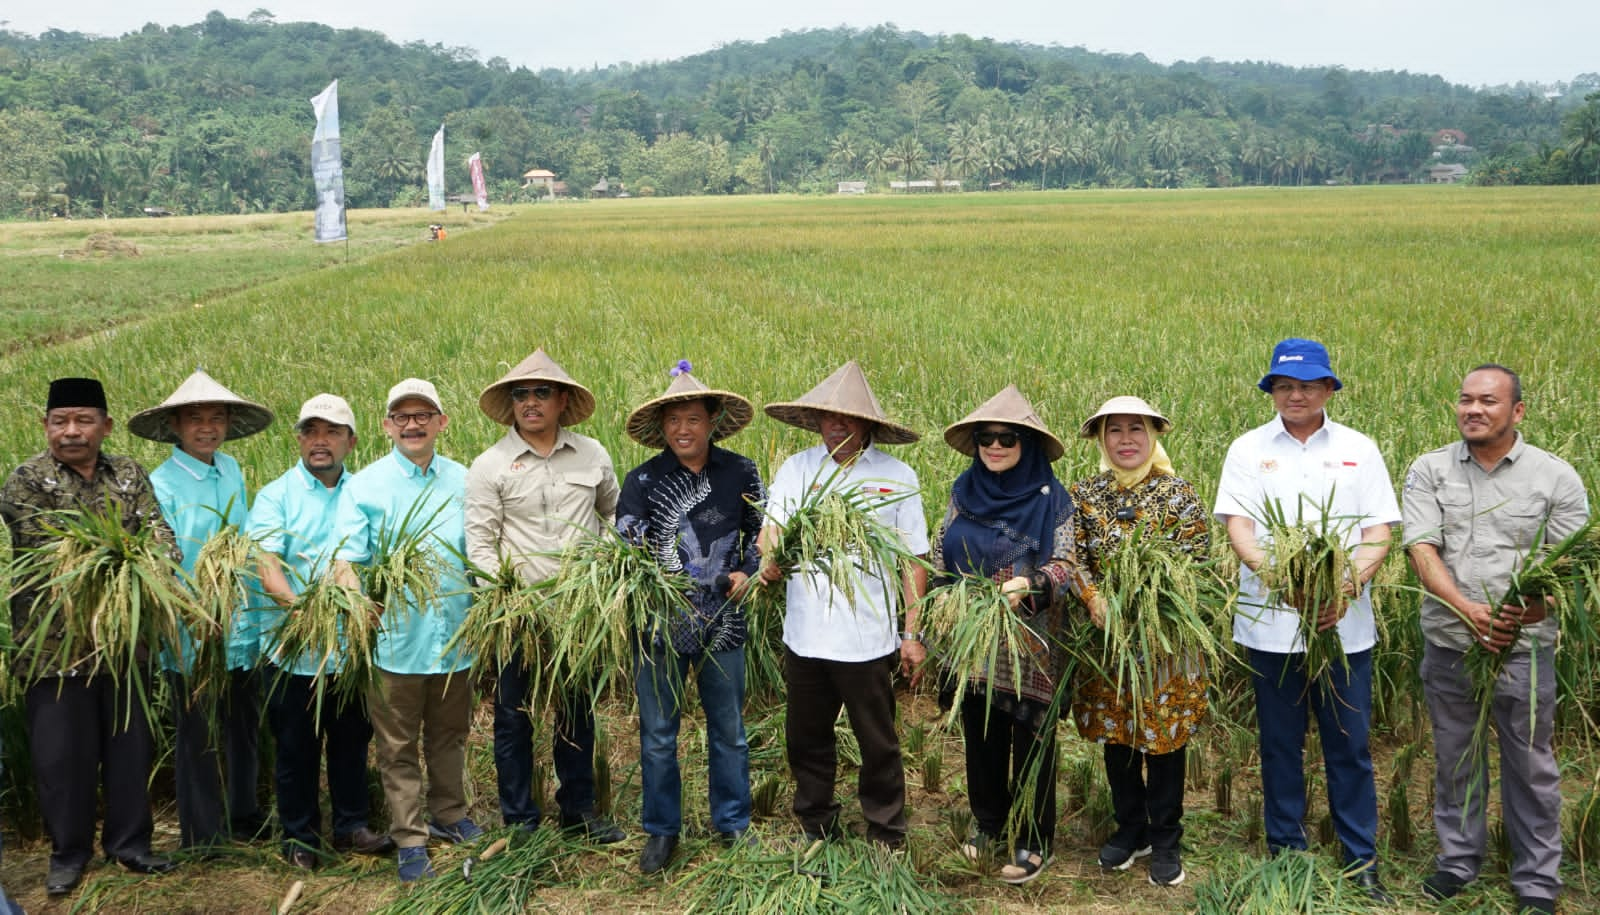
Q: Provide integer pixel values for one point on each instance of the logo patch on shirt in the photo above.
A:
(1413, 480)
(518, 467)
(1269, 466)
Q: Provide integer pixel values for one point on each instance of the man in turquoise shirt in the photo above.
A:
(292, 521)
(424, 694)
(201, 490)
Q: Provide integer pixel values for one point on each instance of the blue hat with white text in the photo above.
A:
(1305, 360)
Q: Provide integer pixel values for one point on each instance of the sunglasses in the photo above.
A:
(985, 438)
(540, 392)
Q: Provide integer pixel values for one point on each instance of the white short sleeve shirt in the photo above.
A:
(820, 622)
(1338, 471)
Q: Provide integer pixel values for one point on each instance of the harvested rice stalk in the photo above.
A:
(1307, 567)
(109, 598)
(505, 622)
(1156, 599)
(406, 566)
(1564, 572)
(607, 597)
(220, 581)
(843, 876)
(501, 881)
(971, 628)
(333, 628)
(835, 531)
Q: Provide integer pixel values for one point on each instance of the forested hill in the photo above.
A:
(213, 117)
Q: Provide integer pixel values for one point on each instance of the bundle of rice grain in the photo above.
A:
(1308, 567)
(970, 627)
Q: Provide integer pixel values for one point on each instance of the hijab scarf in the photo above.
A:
(1003, 517)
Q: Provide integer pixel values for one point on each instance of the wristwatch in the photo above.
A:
(911, 637)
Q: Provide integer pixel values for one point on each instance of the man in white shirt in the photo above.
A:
(842, 652)
(1319, 472)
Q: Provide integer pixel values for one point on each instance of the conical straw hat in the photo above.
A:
(244, 417)
(847, 393)
(495, 401)
(644, 423)
(1128, 404)
(1011, 408)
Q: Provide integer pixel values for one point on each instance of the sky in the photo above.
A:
(1474, 42)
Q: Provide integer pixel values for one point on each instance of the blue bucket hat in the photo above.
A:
(1305, 360)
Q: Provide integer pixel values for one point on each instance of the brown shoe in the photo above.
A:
(364, 841)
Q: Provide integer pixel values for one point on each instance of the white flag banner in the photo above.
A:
(327, 169)
(479, 188)
(436, 171)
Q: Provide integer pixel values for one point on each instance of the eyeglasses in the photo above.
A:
(540, 392)
(985, 438)
(421, 418)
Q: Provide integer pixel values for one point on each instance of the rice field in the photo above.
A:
(1074, 296)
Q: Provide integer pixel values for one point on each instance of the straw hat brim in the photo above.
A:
(244, 419)
(959, 435)
(804, 416)
(496, 402)
(1132, 406)
(644, 423)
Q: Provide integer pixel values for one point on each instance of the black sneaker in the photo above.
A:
(1537, 905)
(1442, 885)
(1114, 857)
(1166, 867)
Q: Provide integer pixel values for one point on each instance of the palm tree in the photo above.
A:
(906, 154)
(842, 153)
(767, 152)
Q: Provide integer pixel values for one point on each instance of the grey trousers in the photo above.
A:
(1530, 782)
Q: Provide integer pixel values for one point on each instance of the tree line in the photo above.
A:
(212, 118)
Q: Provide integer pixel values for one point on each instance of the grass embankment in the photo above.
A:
(1176, 297)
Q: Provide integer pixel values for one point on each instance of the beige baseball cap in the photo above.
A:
(329, 408)
(413, 387)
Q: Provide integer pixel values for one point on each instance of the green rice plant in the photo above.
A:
(933, 773)
(1254, 828)
(1083, 774)
(1099, 815)
(1222, 787)
(500, 878)
(764, 797)
(602, 772)
(606, 598)
(333, 628)
(971, 627)
(1583, 827)
(1157, 618)
(1291, 883)
(107, 599)
(1308, 568)
(763, 608)
(825, 877)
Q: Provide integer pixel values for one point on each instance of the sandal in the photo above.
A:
(1024, 867)
(979, 848)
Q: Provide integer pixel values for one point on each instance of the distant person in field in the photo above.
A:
(843, 652)
(1137, 493)
(532, 493)
(697, 508)
(423, 699)
(1312, 468)
(1009, 519)
(292, 521)
(201, 490)
(1474, 510)
(89, 737)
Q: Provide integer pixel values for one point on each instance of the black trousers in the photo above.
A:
(204, 814)
(87, 734)
(341, 734)
(1147, 796)
(817, 689)
(1001, 753)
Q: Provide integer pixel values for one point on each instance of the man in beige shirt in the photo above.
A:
(528, 496)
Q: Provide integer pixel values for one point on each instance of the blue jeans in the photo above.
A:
(573, 750)
(1343, 708)
(659, 684)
